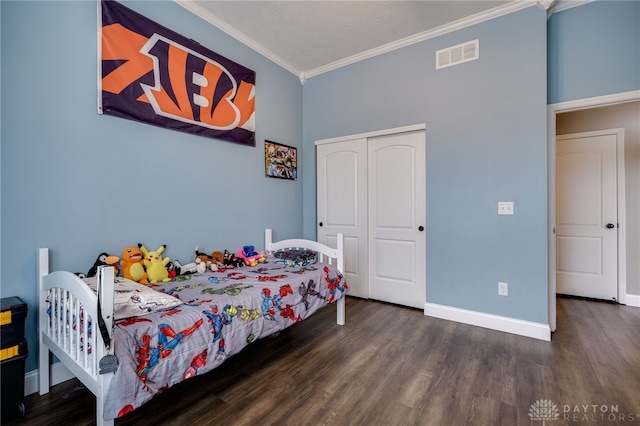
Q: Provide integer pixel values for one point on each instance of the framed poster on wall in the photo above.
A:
(280, 161)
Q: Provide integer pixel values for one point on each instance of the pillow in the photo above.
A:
(296, 257)
(132, 299)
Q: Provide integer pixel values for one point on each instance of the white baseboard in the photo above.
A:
(632, 300)
(59, 374)
(494, 322)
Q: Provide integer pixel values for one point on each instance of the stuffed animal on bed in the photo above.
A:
(155, 265)
(218, 258)
(104, 259)
(202, 261)
(180, 269)
(250, 256)
(173, 269)
(230, 259)
(205, 262)
(133, 265)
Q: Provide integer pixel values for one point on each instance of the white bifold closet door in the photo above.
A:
(373, 191)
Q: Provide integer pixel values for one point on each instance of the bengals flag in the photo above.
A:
(154, 75)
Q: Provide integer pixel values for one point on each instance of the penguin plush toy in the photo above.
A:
(104, 259)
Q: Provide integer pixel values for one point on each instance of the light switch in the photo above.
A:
(505, 207)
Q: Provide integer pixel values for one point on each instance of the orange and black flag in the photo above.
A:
(154, 75)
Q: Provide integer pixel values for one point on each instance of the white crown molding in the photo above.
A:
(417, 38)
(238, 35)
(604, 100)
(305, 75)
(545, 4)
(561, 5)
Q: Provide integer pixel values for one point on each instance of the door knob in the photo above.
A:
(420, 228)
(610, 225)
(320, 224)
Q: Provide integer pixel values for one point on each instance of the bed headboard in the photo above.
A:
(326, 254)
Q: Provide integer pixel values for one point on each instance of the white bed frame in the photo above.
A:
(72, 293)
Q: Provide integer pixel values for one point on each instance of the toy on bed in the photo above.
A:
(155, 264)
(249, 256)
(132, 264)
(296, 257)
(173, 269)
(230, 259)
(204, 262)
(180, 269)
(218, 258)
(104, 259)
(201, 264)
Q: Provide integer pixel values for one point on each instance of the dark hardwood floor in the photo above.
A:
(391, 365)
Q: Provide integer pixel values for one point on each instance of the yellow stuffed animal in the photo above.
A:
(133, 265)
(155, 265)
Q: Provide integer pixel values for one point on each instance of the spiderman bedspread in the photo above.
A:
(222, 313)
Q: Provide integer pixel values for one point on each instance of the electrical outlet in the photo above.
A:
(503, 289)
(505, 207)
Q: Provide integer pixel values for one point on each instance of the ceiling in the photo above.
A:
(310, 37)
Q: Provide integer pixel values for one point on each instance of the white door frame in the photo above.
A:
(576, 105)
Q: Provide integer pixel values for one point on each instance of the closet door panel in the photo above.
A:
(342, 206)
(397, 218)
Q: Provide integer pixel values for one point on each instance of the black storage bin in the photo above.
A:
(14, 311)
(13, 356)
(13, 384)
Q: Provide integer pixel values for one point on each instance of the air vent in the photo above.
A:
(458, 54)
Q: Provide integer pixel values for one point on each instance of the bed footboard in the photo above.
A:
(68, 327)
(326, 254)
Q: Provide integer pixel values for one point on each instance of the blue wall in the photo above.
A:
(594, 50)
(83, 183)
(486, 142)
